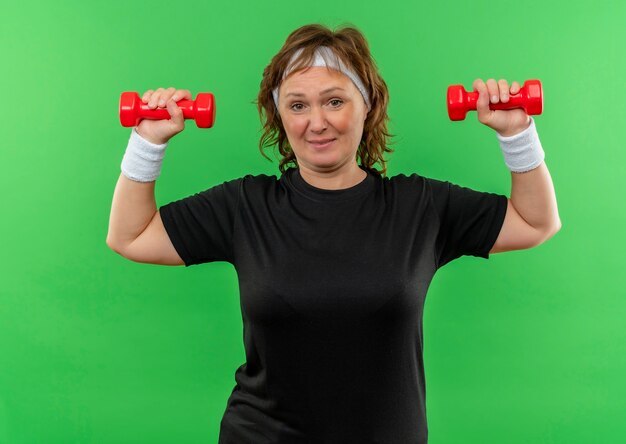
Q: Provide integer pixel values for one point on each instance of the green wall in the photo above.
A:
(527, 347)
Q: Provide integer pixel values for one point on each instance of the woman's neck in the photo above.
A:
(336, 180)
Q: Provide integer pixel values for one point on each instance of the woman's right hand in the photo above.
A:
(161, 131)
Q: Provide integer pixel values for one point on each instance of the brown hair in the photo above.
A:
(349, 44)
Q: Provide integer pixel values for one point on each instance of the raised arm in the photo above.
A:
(135, 227)
(532, 215)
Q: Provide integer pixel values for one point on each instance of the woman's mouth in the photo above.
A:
(322, 144)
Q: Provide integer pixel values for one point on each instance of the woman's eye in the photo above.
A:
(334, 101)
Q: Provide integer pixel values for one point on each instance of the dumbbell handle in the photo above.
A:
(133, 110)
(529, 97)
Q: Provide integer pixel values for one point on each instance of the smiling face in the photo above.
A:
(311, 111)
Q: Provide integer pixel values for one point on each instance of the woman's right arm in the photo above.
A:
(135, 227)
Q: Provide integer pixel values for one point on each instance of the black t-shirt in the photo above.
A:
(332, 286)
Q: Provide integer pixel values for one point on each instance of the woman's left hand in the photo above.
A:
(506, 122)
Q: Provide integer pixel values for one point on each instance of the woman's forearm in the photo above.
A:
(132, 209)
(533, 196)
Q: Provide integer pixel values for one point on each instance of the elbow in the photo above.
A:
(114, 245)
(556, 227)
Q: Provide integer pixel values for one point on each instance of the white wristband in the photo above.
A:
(522, 152)
(142, 159)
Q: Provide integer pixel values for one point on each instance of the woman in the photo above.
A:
(333, 258)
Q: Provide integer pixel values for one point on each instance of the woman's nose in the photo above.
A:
(317, 119)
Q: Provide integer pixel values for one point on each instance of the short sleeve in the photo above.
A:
(469, 220)
(201, 226)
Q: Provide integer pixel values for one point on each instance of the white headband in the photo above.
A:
(319, 61)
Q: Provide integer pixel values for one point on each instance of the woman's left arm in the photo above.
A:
(532, 195)
(532, 215)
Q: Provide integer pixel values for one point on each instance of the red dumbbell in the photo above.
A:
(202, 110)
(529, 97)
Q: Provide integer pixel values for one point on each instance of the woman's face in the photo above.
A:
(310, 112)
